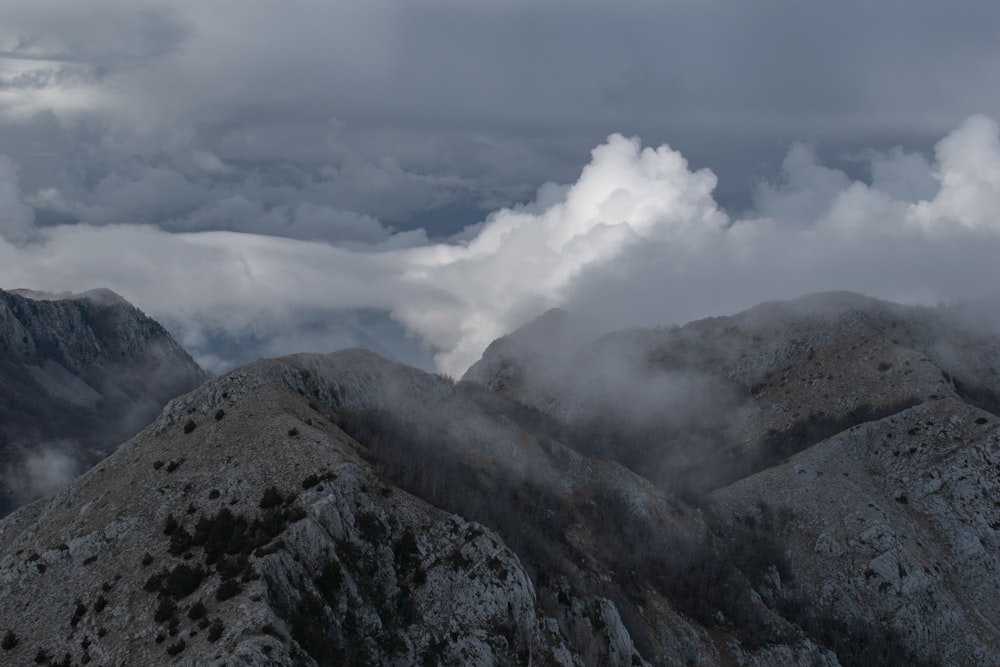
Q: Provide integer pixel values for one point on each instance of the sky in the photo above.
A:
(423, 177)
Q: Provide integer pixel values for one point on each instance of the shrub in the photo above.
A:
(78, 612)
(180, 541)
(189, 426)
(272, 498)
(369, 526)
(154, 581)
(182, 581)
(166, 610)
(406, 552)
(9, 641)
(227, 589)
(329, 582)
(197, 611)
(215, 631)
(176, 648)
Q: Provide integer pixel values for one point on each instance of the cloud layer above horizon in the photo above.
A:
(636, 239)
(419, 178)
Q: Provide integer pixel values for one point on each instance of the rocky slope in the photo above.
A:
(79, 374)
(807, 483)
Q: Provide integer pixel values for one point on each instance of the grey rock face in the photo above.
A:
(79, 374)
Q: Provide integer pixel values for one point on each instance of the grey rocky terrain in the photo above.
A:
(79, 374)
(805, 483)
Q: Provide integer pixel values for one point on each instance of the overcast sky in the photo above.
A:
(421, 177)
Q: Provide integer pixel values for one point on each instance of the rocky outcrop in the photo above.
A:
(79, 374)
(893, 522)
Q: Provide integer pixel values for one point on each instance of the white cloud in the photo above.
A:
(47, 469)
(638, 238)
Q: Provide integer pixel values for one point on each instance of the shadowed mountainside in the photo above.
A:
(79, 374)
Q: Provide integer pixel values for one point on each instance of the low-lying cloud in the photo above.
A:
(637, 239)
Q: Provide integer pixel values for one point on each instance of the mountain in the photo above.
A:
(805, 483)
(79, 374)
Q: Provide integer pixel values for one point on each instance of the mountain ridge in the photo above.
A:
(666, 508)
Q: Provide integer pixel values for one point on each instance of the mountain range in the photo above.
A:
(810, 482)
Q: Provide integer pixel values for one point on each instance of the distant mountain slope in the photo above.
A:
(79, 374)
(698, 406)
(806, 483)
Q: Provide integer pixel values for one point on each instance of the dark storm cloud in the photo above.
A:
(427, 105)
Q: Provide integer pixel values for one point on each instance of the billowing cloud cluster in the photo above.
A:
(344, 121)
(637, 239)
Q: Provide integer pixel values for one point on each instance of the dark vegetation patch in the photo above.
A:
(370, 527)
(189, 426)
(9, 640)
(225, 541)
(181, 581)
(334, 639)
(197, 611)
(313, 479)
(855, 642)
(176, 648)
(229, 588)
(79, 610)
(272, 498)
(227, 534)
(165, 610)
(215, 630)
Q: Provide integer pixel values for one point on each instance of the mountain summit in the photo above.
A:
(805, 483)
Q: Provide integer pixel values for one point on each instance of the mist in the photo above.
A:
(637, 239)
